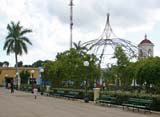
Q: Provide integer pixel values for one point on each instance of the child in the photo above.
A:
(35, 91)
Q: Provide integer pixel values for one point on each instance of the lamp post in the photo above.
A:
(32, 79)
(41, 72)
(86, 98)
(18, 80)
(6, 83)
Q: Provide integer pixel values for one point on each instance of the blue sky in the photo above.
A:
(49, 20)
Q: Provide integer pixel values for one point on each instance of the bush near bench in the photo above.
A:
(81, 92)
(122, 96)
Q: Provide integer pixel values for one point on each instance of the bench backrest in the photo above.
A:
(105, 97)
(140, 101)
(73, 93)
(145, 102)
(60, 92)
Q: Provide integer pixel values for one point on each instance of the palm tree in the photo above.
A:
(79, 47)
(16, 42)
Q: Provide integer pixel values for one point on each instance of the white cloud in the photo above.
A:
(49, 21)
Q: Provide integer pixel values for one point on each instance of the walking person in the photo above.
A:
(35, 91)
(12, 86)
(103, 86)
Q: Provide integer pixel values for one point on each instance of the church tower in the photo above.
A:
(145, 48)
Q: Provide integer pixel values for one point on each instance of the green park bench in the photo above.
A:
(51, 92)
(106, 99)
(137, 103)
(29, 89)
(59, 93)
(72, 95)
(25, 88)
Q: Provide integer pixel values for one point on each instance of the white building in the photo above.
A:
(145, 48)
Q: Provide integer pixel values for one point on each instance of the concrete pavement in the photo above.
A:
(22, 104)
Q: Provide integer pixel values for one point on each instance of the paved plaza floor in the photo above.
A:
(22, 104)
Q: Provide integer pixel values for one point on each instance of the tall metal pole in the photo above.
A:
(71, 21)
(86, 98)
(86, 88)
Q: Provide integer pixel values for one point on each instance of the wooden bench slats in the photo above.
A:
(107, 99)
(72, 94)
(138, 103)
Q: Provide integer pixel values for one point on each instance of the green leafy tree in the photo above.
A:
(16, 41)
(6, 63)
(148, 72)
(20, 64)
(69, 67)
(122, 62)
(39, 63)
(25, 75)
(27, 65)
(1, 64)
(109, 75)
(130, 72)
(52, 72)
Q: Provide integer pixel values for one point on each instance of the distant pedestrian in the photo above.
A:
(35, 92)
(12, 86)
(103, 86)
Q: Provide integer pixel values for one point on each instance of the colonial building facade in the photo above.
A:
(11, 72)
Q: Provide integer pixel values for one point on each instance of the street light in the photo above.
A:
(6, 83)
(86, 64)
(41, 72)
(32, 73)
(18, 80)
(32, 79)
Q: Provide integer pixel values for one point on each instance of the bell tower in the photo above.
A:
(145, 48)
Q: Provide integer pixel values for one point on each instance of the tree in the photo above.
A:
(25, 75)
(1, 64)
(52, 73)
(16, 41)
(39, 63)
(6, 63)
(27, 65)
(148, 72)
(122, 59)
(130, 72)
(68, 66)
(80, 48)
(122, 62)
(109, 74)
(20, 64)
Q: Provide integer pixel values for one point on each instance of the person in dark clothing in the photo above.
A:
(12, 87)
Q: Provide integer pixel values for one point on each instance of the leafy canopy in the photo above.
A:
(15, 40)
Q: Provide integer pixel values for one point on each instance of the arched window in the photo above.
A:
(140, 53)
(149, 52)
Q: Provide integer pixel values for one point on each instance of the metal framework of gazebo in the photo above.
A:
(109, 39)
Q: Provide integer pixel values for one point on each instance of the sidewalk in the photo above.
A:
(22, 104)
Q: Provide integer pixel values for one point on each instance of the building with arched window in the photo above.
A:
(145, 48)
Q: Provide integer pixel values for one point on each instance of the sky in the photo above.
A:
(49, 21)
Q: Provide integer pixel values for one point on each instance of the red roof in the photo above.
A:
(146, 40)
